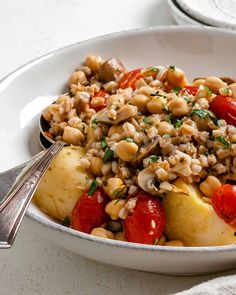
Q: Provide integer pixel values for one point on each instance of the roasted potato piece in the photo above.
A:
(191, 220)
(63, 184)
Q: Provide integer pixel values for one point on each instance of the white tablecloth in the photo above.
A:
(28, 29)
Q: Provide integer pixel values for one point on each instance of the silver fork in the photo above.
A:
(13, 206)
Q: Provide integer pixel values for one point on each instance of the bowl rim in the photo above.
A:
(121, 244)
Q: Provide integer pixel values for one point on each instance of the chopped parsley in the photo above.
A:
(147, 120)
(109, 154)
(172, 68)
(176, 89)
(154, 158)
(119, 193)
(208, 91)
(93, 187)
(103, 142)
(185, 97)
(177, 123)
(154, 69)
(129, 139)
(94, 123)
(204, 114)
(158, 94)
(66, 221)
(222, 140)
(166, 136)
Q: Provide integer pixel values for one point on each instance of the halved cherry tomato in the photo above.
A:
(101, 93)
(224, 107)
(146, 223)
(129, 79)
(189, 90)
(89, 211)
(224, 203)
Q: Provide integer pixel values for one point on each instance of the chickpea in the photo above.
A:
(155, 106)
(178, 106)
(198, 82)
(72, 135)
(214, 84)
(113, 208)
(146, 90)
(102, 233)
(188, 129)
(165, 128)
(175, 243)
(114, 184)
(93, 62)
(176, 76)
(115, 99)
(141, 101)
(120, 236)
(97, 102)
(96, 166)
(209, 185)
(115, 129)
(232, 87)
(126, 150)
(78, 77)
(47, 114)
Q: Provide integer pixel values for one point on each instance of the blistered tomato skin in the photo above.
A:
(89, 211)
(224, 203)
(189, 90)
(224, 107)
(147, 221)
(101, 93)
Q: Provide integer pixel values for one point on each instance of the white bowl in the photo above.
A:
(199, 51)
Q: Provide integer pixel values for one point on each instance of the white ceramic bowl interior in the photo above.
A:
(199, 51)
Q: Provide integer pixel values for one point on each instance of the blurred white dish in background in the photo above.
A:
(220, 13)
(195, 49)
(179, 16)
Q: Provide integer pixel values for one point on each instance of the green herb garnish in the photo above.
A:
(66, 221)
(222, 140)
(103, 142)
(172, 68)
(94, 123)
(158, 94)
(185, 97)
(204, 114)
(176, 89)
(177, 123)
(166, 136)
(147, 120)
(154, 158)
(154, 69)
(129, 139)
(208, 91)
(93, 187)
(109, 154)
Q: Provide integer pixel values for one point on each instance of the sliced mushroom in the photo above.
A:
(125, 113)
(144, 152)
(111, 69)
(147, 181)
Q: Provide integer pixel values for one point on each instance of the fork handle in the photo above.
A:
(14, 208)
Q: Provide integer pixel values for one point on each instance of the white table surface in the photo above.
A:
(28, 29)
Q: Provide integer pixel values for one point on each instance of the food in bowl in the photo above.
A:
(152, 158)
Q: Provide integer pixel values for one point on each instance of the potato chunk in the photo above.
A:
(63, 184)
(191, 220)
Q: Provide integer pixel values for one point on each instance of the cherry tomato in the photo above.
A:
(129, 79)
(89, 211)
(224, 107)
(146, 223)
(189, 90)
(101, 93)
(224, 203)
